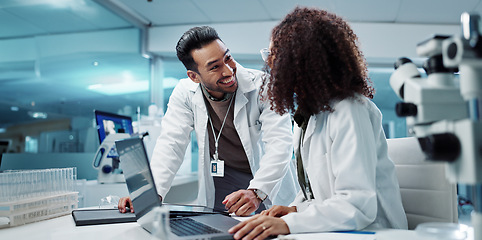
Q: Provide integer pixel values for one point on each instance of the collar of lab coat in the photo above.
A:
(310, 129)
(245, 79)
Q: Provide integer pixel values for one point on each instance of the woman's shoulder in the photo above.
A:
(354, 105)
(355, 101)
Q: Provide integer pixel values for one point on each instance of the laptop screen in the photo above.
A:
(140, 182)
(143, 193)
(138, 175)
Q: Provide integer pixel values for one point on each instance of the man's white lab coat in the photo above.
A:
(353, 180)
(265, 135)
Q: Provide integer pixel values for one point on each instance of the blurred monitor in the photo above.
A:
(111, 123)
(4, 144)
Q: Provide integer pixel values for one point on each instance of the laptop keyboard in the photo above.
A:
(189, 227)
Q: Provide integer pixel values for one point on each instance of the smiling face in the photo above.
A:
(216, 69)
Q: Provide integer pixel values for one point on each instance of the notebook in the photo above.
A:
(95, 216)
(143, 193)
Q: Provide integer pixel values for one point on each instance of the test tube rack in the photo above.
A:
(28, 196)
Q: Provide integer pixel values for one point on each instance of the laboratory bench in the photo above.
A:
(63, 227)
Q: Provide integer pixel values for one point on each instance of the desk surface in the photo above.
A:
(63, 227)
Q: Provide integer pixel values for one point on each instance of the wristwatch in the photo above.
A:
(260, 194)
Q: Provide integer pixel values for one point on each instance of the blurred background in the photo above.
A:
(61, 59)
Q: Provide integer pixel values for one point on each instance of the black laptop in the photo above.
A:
(138, 176)
(143, 194)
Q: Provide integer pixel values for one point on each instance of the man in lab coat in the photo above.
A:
(245, 148)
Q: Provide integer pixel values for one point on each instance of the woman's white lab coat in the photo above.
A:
(265, 135)
(352, 178)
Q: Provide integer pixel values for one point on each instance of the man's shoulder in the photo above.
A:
(249, 73)
(255, 72)
(187, 84)
(184, 90)
(186, 81)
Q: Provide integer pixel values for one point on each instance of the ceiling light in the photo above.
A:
(146, 55)
(94, 86)
(120, 88)
(38, 115)
(61, 3)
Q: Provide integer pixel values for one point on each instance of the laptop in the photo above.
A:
(143, 193)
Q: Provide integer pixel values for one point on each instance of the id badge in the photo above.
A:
(217, 168)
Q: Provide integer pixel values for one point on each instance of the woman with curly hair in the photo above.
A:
(347, 180)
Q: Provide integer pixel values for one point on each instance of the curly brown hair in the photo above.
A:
(314, 59)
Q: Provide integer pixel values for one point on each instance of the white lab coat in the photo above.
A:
(352, 178)
(265, 135)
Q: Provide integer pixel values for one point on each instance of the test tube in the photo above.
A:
(20, 184)
(3, 188)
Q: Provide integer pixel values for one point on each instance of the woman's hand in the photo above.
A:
(260, 227)
(278, 211)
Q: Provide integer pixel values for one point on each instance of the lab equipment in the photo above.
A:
(160, 226)
(33, 195)
(443, 111)
(151, 124)
(106, 160)
(110, 127)
(110, 201)
(442, 231)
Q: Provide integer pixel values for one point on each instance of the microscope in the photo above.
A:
(444, 111)
(106, 160)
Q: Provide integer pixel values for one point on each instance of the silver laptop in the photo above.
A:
(143, 193)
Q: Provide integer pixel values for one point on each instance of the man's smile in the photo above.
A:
(228, 80)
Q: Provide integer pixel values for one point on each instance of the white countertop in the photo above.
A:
(63, 227)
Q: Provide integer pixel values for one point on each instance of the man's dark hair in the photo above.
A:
(194, 38)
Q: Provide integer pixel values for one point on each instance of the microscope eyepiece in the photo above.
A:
(435, 64)
(401, 61)
(404, 109)
(441, 147)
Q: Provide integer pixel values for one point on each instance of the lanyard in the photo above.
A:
(303, 179)
(216, 139)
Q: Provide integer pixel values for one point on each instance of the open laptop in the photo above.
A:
(143, 194)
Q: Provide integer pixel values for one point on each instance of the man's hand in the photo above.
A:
(125, 203)
(242, 202)
(259, 227)
(278, 211)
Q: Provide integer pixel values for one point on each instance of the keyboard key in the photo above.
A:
(190, 227)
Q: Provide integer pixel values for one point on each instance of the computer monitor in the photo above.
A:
(109, 123)
(4, 144)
